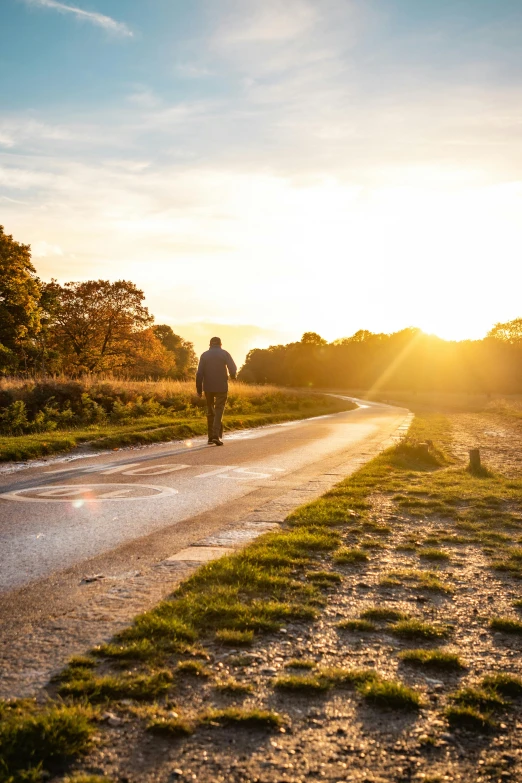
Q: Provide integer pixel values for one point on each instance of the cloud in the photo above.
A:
(6, 140)
(271, 21)
(100, 20)
(43, 249)
(190, 70)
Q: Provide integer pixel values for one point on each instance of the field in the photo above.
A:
(509, 405)
(49, 416)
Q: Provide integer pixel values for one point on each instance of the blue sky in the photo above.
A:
(286, 165)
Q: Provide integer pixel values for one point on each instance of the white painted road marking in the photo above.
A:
(216, 471)
(89, 493)
(152, 470)
(246, 474)
(92, 492)
(145, 469)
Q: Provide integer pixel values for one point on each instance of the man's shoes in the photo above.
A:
(216, 441)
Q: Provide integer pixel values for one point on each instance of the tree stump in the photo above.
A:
(474, 460)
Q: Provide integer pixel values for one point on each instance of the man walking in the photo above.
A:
(212, 379)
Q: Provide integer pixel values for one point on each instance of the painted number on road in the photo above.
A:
(209, 471)
(78, 494)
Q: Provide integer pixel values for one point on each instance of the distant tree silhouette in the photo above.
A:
(407, 360)
(312, 338)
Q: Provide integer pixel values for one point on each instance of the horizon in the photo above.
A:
(236, 336)
(320, 166)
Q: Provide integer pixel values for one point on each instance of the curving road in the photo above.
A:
(66, 518)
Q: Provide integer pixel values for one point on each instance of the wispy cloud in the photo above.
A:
(100, 20)
(6, 140)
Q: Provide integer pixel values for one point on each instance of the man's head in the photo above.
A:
(215, 341)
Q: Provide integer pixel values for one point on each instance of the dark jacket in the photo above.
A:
(212, 371)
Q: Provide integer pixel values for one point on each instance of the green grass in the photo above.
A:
(233, 687)
(349, 678)
(159, 627)
(506, 625)
(141, 687)
(505, 684)
(324, 679)
(300, 663)
(82, 662)
(365, 626)
(417, 629)
(433, 659)
(302, 683)
(171, 727)
(479, 698)
(140, 650)
(416, 579)
(389, 694)
(193, 669)
(234, 638)
(41, 738)
(76, 669)
(324, 578)
(469, 718)
(248, 719)
(383, 614)
(372, 543)
(349, 555)
(435, 555)
(86, 779)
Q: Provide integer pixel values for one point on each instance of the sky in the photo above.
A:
(263, 169)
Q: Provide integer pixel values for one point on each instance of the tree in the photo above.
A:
(183, 351)
(510, 332)
(19, 301)
(97, 324)
(312, 338)
(148, 357)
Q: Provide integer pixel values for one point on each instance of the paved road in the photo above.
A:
(144, 518)
(59, 515)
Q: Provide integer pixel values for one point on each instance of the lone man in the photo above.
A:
(212, 379)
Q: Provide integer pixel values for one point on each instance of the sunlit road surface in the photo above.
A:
(61, 514)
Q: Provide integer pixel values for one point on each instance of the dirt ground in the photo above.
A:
(336, 736)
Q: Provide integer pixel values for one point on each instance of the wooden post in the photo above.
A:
(474, 459)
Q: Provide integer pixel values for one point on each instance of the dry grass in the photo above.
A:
(50, 415)
(164, 387)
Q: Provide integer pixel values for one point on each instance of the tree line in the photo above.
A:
(408, 360)
(81, 327)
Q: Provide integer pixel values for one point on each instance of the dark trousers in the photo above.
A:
(215, 406)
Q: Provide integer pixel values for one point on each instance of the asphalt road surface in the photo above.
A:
(63, 516)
